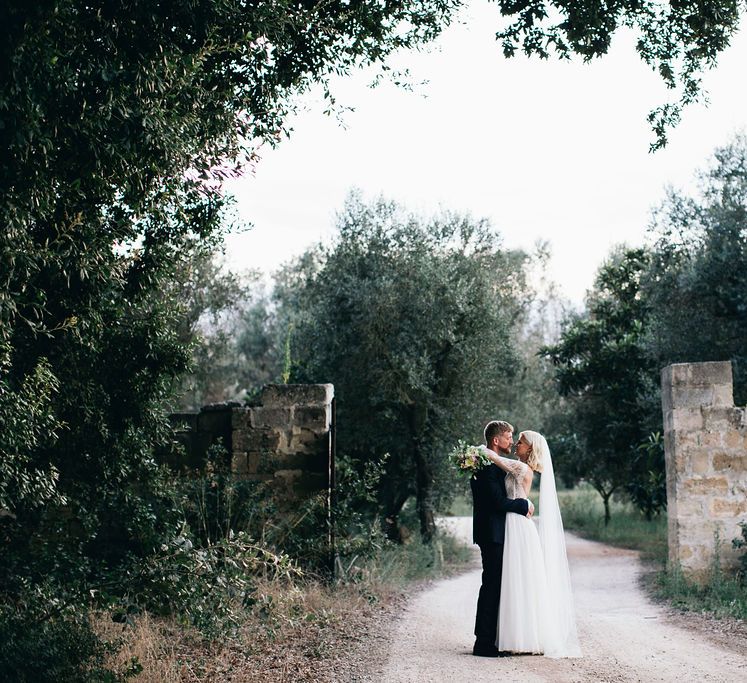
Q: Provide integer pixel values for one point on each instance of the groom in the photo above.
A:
(489, 508)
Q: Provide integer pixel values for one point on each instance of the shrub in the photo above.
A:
(216, 504)
(741, 543)
(46, 641)
(207, 587)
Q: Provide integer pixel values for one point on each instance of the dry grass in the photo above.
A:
(155, 644)
(310, 633)
(300, 631)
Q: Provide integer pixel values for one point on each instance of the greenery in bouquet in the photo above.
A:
(468, 459)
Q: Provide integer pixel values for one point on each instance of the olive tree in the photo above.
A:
(411, 319)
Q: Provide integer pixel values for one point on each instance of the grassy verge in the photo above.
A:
(722, 595)
(302, 630)
(583, 513)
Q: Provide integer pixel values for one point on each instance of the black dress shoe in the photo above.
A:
(485, 651)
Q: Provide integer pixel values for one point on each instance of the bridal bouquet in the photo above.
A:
(468, 459)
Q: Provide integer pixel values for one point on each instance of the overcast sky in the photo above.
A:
(546, 150)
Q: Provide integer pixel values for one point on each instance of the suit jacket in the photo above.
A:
(490, 505)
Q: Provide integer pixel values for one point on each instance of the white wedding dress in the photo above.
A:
(522, 616)
(536, 608)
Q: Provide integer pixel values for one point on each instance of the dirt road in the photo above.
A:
(624, 636)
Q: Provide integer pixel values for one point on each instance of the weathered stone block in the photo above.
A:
(252, 462)
(696, 562)
(688, 441)
(674, 375)
(241, 418)
(715, 372)
(671, 483)
(271, 417)
(734, 439)
(282, 441)
(287, 395)
(316, 418)
(696, 531)
(723, 418)
(692, 385)
(686, 552)
(302, 439)
(217, 420)
(240, 440)
(711, 439)
(707, 485)
(691, 506)
(687, 419)
(269, 462)
(700, 462)
(726, 461)
(257, 440)
(692, 397)
(723, 395)
(721, 507)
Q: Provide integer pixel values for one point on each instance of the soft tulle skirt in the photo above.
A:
(523, 615)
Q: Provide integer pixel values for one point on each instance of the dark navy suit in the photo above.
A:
(489, 508)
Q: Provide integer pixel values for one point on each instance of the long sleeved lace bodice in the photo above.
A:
(517, 471)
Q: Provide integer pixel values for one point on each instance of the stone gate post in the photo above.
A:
(286, 441)
(705, 443)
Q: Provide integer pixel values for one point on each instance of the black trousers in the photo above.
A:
(486, 622)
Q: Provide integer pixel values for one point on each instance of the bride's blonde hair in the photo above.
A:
(534, 459)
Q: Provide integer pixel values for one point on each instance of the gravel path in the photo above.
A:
(624, 636)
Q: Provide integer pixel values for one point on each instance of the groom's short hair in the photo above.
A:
(494, 428)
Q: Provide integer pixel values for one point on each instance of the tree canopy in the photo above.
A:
(411, 320)
(697, 282)
(679, 40)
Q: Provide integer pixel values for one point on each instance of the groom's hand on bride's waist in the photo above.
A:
(531, 508)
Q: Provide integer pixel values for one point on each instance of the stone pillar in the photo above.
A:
(705, 443)
(286, 440)
(197, 432)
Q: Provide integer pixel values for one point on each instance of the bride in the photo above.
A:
(536, 609)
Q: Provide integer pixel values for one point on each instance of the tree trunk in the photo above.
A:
(606, 499)
(425, 496)
(392, 508)
(423, 473)
(606, 494)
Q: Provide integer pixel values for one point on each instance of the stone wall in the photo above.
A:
(705, 442)
(285, 441)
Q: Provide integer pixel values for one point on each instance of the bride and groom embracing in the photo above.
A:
(525, 603)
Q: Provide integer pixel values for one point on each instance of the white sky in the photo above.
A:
(546, 150)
